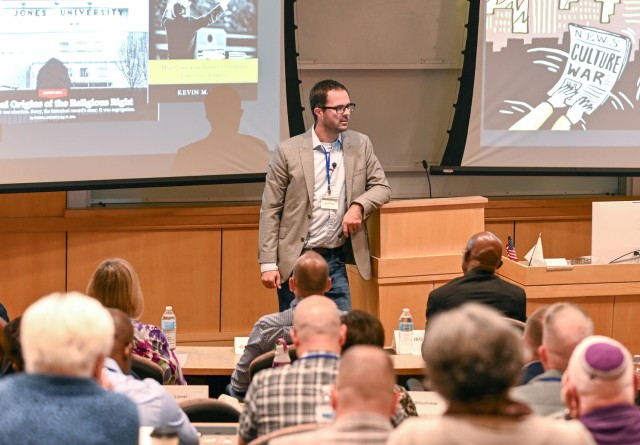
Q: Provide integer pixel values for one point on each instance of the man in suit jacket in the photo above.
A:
(481, 258)
(320, 187)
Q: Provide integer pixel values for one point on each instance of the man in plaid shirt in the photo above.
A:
(288, 395)
(310, 277)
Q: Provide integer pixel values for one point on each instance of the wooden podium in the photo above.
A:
(415, 246)
(610, 293)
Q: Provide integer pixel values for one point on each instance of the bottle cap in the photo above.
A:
(406, 309)
(168, 308)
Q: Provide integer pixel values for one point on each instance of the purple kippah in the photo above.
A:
(603, 360)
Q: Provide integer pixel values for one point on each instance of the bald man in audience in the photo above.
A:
(156, 407)
(479, 284)
(310, 277)
(59, 399)
(599, 389)
(363, 398)
(532, 338)
(288, 395)
(565, 325)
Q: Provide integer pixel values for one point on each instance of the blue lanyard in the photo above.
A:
(319, 355)
(549, 379)
(327, 158)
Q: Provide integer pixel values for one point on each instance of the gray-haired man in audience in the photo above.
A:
(599, 389)
(565, 325)
(59, 401)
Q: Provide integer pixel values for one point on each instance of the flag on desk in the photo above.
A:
(511, 250)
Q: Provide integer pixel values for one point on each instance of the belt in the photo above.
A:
(325, 251)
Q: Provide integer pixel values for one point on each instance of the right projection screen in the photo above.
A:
(556, 85)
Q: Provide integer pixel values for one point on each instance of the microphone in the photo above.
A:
(425, 165)
(333, 166)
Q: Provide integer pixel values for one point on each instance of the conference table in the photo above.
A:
(221, 361)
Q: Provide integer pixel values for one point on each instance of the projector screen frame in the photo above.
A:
(295, 120)
(451, 162)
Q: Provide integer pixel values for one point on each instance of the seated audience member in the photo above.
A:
(564, 326)
(363, 397)
(288, 395)
(532, 338)
(365, 329)
(480, 284)
(10, 344)
(156, 407)
(115, 284)
(59, 400)
(473, 357)
(310, 277)
(599, 389)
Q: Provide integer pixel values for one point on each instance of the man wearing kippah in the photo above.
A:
(599, 389)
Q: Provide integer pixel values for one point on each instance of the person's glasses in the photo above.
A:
(341, 108)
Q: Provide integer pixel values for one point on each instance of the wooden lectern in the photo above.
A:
(610, 293)
(416, 246)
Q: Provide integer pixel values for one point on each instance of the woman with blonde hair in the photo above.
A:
(115, 284)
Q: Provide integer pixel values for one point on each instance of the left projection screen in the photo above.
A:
(104, 90)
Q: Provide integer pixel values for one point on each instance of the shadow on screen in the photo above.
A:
(224, 150)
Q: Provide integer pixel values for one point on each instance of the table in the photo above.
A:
(221, 361)
(212, 433)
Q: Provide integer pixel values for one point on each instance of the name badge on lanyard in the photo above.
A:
(329, 203)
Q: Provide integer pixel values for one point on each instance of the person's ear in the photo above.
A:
(328, 288)
(343, 334)
(499, 265)
(544, 356)
(292, 284)
(394, 402)
(294, 338)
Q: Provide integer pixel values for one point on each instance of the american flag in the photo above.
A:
(511, 250)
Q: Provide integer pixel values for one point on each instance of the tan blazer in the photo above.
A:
(288, 194)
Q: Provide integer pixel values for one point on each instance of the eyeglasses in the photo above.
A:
(340, 109)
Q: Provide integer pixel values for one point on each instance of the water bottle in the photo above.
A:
(169, 326)
(282, 354)
(405, 332)
(324, 409)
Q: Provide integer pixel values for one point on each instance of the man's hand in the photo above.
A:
(271, 279)
(352, 220)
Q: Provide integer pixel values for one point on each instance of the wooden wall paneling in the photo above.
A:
(244, 298)
(600, 309)
(560, 238)
(32, 265)
(626, 329)
(179, 268)
(364, 294)
(32, 204)
(395, 297)
(503, 229)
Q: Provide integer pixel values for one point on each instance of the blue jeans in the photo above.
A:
(339, 291)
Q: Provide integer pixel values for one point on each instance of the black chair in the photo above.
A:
(144, 368)
(210, 411)
(265, 361)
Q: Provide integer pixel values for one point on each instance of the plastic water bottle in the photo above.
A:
(169, 325)
(324, 409)
(282, 354)
(405, 332)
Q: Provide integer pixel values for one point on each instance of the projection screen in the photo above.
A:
(557, 85)
(122, 90)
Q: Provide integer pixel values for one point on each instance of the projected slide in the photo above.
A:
(557, 85)
(66, 61)
(98, 90)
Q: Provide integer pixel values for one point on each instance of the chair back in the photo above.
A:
(210, 411)
(295, 429)
(519, 325)
(144, 368)
(265, 361)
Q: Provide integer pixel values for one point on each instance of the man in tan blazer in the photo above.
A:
(320, 187)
